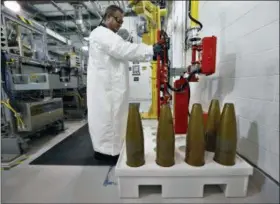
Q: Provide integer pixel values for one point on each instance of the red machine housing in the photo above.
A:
(206, 61)
(181, 108)
(206, 52)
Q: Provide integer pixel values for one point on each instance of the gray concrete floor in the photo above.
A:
(79, 184)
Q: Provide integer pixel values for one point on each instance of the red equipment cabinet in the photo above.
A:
(181, 108)
(206, 59)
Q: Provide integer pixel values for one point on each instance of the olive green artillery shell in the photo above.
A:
(195, 142)
(165, 149)
(135, 152)
(212, 126)
(226, 144)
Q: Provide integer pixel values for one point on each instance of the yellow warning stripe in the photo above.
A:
(29, 22)
(16, 163)
(24, 20)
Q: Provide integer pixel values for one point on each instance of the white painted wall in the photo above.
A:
(247, 74)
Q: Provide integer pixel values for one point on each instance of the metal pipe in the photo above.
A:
(116, 3)
(94, 12)
(96, 6)
(59, 9)
(123, 5)
(19, 39)
(79, 19)
(120, 5)
(65, 14)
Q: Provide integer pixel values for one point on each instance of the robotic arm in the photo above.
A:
(203, 61)
(203, 50)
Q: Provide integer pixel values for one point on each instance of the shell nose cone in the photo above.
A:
(134, 138)
(165, 151)
(226, 143)
(212, 125)
(195, 141)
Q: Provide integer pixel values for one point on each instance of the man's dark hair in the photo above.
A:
(111, 10)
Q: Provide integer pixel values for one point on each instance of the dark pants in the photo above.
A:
(106, 158)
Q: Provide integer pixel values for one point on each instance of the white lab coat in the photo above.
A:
(107, 87)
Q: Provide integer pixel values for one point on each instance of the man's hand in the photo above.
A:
(158, 48)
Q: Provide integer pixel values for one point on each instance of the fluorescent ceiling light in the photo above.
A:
(12, 5)
(85, 48)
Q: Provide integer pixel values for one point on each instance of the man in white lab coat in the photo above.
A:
(107, 83)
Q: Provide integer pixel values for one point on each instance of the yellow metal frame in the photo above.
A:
(194, 12)
(153, 13)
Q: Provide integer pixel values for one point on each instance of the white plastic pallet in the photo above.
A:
(180, 180)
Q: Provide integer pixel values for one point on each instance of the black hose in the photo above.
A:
(182, 88)
(186, 84)
(196, 21)
(193, 19)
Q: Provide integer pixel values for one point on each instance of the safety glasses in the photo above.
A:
(119, 21)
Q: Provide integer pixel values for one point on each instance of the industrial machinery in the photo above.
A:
(43, 80)
(151, 15)
(203, 62)
(203, 59)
